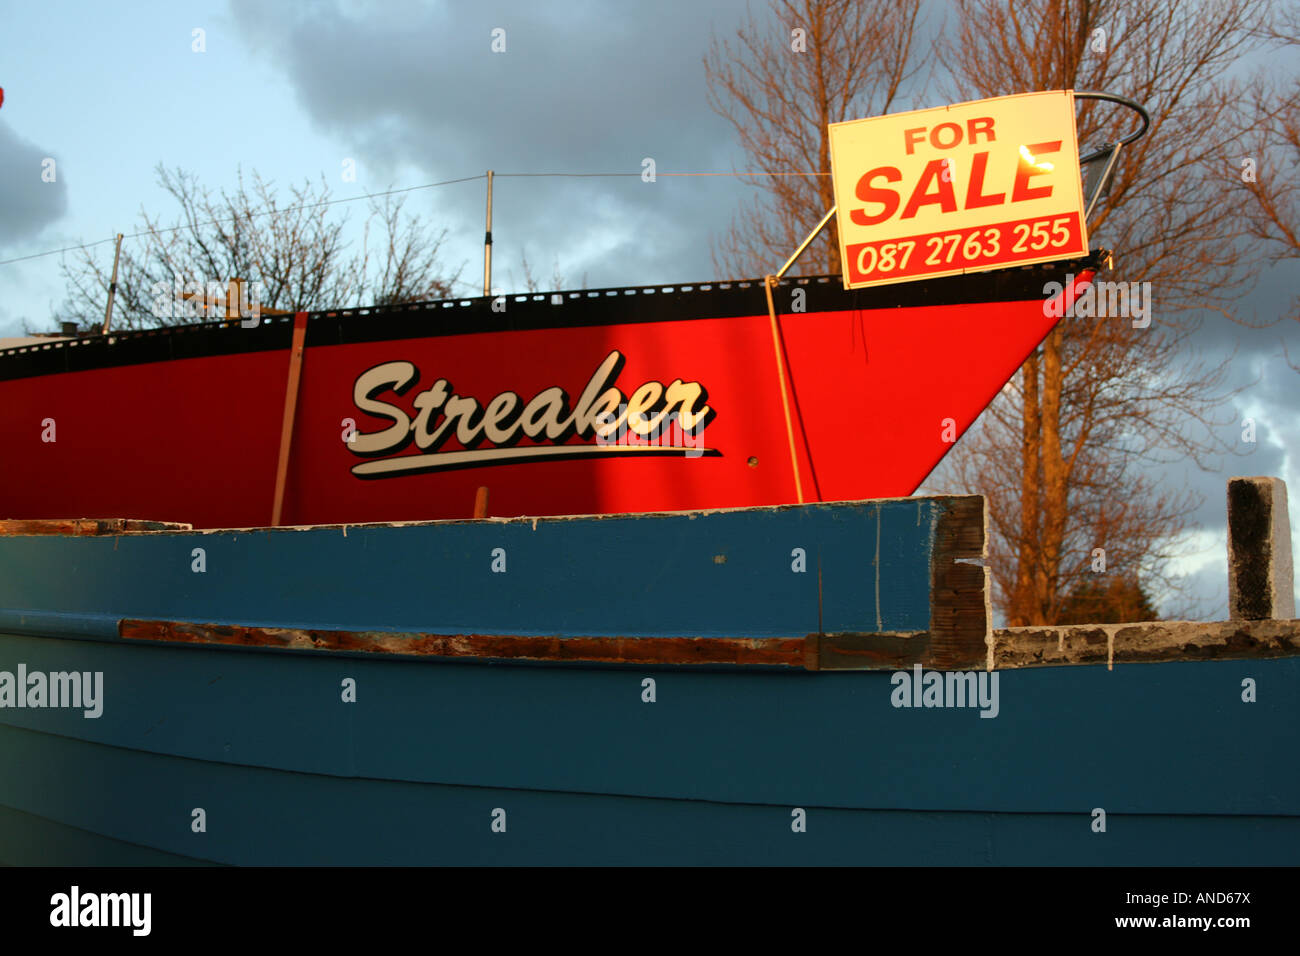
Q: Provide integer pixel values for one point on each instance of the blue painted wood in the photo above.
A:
(30, 840)
(720, 573)
(586, 770)
(1169, 741)
(264, 817)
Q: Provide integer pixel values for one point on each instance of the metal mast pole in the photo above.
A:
(487, 241)
(112, 286)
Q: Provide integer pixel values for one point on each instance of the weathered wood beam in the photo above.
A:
(960, 617)
(1012, 648)
(79, 527)
(771, 652)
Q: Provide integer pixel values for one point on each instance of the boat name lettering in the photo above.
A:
(601, 412)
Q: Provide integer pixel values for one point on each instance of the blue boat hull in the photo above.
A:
(587, 772)
(696, 688)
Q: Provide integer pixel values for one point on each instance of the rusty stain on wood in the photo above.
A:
(886, 651)
(79, 527)
(812, 652)
(481, 502)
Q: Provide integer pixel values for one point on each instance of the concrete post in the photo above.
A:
(1260, 578)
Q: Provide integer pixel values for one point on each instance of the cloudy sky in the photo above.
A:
(412, 93)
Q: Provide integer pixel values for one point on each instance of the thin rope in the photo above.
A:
(346, 199)
(768, 282)
(584, 175)
(258, 215)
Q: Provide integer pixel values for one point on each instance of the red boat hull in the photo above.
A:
(185, 424)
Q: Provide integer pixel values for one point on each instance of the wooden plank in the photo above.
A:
(864, 652)
(771, 652)
(290, 413)
(79, 527)
(746, 573)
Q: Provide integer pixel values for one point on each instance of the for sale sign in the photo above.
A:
(962, 188)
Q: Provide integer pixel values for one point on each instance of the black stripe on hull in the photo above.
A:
(587, 308)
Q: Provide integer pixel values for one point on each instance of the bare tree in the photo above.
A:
(408, 257)
(1065, 453)
(1119, 599)
(532, 283)
(780, 82)
(1101, 400)
(1081, 498)
(1267, 169)
(293, 252)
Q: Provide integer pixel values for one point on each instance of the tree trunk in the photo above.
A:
(1055, 487)
(1019, 613)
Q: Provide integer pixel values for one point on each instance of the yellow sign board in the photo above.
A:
(962, 188)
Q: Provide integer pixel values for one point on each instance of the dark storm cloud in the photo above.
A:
(1256, 384)
(580, 88)
(1262, 310)
(27, 203)
(1268, 394)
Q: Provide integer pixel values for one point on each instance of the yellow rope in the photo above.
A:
(769, 282)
